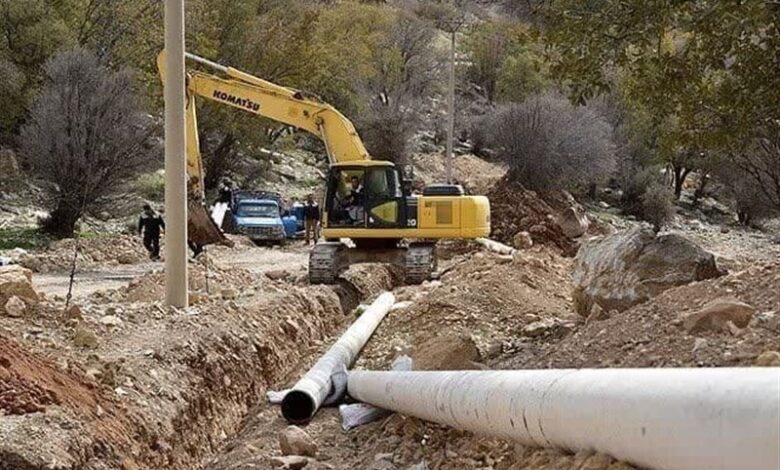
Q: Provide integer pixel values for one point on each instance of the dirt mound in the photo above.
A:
(204, 275)
(30, 384)
(486, 296)
(92, 253)
(476, 174)
(515, 209)
(653, 334)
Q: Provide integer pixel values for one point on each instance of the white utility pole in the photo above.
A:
(450, 110)
(175, 166)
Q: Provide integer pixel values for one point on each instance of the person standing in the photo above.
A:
(151, 225)
(311, 219)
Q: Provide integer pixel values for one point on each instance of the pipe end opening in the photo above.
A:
(298, 407)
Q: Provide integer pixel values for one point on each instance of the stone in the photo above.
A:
(597, 462)
(85, 338)
(111, 320)
(126, 258)
(382, 465)
(196, 297)
(229, 294)
(16, 281)
(768, 359)
(291, 462)
(573, 223)
(626, 268)
(545, 327)
(419, 466)
(522, 240)
(698, 343)
(277, 275)
(74, 312)
(14, 307)
(716, 315)
(597, 313)
(295, 441)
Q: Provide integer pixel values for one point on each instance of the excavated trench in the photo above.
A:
(210, 376)
(218, 406)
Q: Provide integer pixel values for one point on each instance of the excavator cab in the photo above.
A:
(365, 196)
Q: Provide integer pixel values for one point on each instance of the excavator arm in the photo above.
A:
(262, 98)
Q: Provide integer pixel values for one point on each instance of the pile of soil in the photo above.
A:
(653, 335)
(515, 209)
(93, 253)
(475, 174)
(484, 297)
(220, 279)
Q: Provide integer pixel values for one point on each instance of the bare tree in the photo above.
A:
(407, 69)
(551, 144)
(85, 135)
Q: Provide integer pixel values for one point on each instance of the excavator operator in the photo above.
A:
(354, 200)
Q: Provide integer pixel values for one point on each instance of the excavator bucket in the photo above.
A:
(202, 229)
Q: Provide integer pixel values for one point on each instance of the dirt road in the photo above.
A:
(292, 258)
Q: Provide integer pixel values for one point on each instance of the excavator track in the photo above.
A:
(419, 263)
(325, 262)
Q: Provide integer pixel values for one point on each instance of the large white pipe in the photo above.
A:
(656, 418)
(175, 166)
(304, 399)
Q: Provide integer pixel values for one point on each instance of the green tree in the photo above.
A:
(702, 69)
(502, 62)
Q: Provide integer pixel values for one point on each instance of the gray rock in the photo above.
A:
(15, 307)
(291, 462)
(630, 267)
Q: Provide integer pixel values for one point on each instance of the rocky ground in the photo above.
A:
(115, 379)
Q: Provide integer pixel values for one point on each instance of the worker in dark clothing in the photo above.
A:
(150, 225)
(226, 192)
(311, 219)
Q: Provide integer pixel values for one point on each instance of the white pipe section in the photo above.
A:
(304, 399)
(719, 418)
(498, 247)
(175, 166)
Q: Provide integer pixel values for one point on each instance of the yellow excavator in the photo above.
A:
(368, 214)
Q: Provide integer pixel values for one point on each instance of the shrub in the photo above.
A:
(551, 144)
(657, 204)
(151, 186)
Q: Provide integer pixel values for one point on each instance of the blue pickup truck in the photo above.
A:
(259, 216)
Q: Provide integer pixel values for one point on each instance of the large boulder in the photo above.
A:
(16, 281)
(630, 267)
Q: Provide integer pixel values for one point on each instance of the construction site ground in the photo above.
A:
(118, 380)
(123, 382)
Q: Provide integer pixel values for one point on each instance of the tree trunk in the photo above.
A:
(61, 223)
(220, 161)
(744, 217)
(699, 193)
(680, 174)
